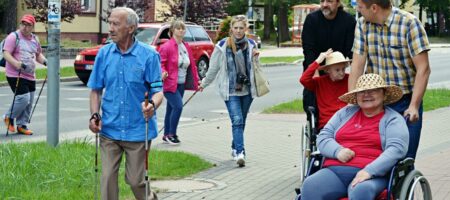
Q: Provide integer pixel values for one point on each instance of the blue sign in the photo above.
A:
(353, 2)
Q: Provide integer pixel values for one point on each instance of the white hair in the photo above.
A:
(132, 16)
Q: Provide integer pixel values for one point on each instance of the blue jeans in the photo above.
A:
(238, 107)
(334, 182)
(173, 110)
(413, 127)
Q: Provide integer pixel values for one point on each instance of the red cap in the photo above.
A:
(29, 19)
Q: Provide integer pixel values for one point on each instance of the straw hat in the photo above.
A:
(373, 81)
(334, 58)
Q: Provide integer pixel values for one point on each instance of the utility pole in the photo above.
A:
(53, 39)
(185, 10)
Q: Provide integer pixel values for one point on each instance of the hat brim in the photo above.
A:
(393, 94)
(324, 67)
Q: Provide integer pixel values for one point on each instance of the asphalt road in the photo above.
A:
(206, 105)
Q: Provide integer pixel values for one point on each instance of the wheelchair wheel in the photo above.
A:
(305, 151)
(415, 186)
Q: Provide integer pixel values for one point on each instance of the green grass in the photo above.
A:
(439, 39)
(292, 107)
(67, 71)
(286, 59)
(68, 43)
(38, 171)
(433, 99)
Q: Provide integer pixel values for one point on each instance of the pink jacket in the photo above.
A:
(169, 64)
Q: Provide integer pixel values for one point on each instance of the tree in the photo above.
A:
(237, 7)
(9, 16)
(69, 9)
(139, 6)
(268, 19)
(198, 11)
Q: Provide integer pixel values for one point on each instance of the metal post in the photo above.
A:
(53, 39)
(185, 10)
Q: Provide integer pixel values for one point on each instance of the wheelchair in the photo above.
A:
(405, 182)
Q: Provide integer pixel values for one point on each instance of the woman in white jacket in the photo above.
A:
(231, 67)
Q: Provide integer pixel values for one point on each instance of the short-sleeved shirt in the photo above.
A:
(391, 46)
(123, 77)
(26, 51)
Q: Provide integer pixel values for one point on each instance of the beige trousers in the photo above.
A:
(111, 153)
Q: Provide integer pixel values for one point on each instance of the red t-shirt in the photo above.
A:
(361, 134)
(327, 92)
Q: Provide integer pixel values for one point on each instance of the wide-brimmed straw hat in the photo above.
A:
(365, 82)
(334, 58)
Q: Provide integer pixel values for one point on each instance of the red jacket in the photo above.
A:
(169, 64)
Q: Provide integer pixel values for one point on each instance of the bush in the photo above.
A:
(224, 29)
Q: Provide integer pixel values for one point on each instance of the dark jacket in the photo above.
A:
(320, 34)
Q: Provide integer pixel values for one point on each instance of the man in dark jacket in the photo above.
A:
(329, 27)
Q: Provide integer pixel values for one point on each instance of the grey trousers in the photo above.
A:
(22, 108)
(111, 153)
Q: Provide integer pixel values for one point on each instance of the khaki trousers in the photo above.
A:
(111, 153)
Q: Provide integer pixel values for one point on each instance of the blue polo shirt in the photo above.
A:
(122, 78)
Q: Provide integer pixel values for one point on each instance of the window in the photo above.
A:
(88, 6)
(146, 35)
(199, 33)
(188, 36)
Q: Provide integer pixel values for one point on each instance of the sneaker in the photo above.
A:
(24, 130)
(171, 139)
(10, 126)
(234, 154)
(240, 159)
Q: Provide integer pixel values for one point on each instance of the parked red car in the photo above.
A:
(154, 34)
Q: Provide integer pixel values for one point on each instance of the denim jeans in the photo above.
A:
(414, 128)
(238, 107)
(173, 110)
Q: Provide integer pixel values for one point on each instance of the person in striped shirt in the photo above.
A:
(393, 43)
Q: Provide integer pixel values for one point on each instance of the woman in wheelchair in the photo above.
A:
(360, 143)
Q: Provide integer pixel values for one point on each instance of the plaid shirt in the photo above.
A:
(391, 46)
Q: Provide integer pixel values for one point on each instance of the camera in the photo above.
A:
(242, 79)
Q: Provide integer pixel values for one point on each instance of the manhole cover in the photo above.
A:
(183, 185)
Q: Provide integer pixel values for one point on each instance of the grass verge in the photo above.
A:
(67, 71)
(286, 59)
(433, 99)
(38, 171)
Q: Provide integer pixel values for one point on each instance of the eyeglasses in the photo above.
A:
(26, 24)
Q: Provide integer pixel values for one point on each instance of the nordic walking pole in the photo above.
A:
(97, 119)
(187, 101)
(37, 100)
(146, 149)
(12, 106)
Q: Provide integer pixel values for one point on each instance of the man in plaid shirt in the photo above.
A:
(394, 44)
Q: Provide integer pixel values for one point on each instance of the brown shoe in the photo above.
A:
(24, 130)
(10, 126)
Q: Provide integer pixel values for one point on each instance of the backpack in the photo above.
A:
(2, 59)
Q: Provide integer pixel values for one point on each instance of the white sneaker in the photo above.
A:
(234, 154)
(240, 159)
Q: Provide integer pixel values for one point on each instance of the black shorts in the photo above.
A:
(25, 86)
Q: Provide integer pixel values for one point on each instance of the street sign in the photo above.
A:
(54, 11)
(353, 2)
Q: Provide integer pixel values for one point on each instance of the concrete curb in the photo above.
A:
(64, 79)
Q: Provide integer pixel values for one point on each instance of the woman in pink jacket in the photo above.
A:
(179, 73)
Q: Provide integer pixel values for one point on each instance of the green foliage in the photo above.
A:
(237, 7)
(224, 29)
(285, 59)
(38, 171)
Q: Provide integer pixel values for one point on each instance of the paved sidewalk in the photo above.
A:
(273, 158)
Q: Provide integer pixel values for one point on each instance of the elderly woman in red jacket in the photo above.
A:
(179, 73)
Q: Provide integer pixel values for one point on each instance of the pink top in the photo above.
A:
(26, 51)
(169, 64)
(361, 134)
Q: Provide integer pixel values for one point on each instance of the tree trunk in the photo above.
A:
(283, 23)
(268, 19)
(10, 16)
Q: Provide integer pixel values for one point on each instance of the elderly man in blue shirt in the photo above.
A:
(123, 72)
